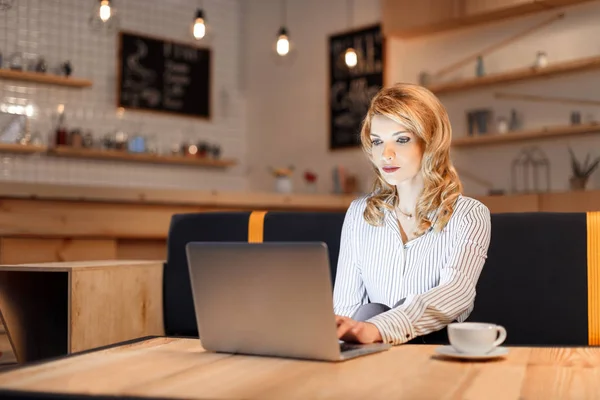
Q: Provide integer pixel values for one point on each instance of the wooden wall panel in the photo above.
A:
(570, 202)
(91, 220)
(31, 250)
(511, 204)
(132, 249)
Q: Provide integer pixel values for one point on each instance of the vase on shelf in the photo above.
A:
(283, 184)
(502, 125)
(479, 68)
(578, 182)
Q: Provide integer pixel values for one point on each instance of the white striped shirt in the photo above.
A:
(436, 273)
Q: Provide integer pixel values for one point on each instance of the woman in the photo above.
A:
(411, 252)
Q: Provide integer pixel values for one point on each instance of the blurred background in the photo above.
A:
(255, 110)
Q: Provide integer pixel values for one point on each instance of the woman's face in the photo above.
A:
(396, 152)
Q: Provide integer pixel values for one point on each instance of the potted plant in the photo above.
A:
(581, 173)
(283, 178)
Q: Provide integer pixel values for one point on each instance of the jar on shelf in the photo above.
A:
(541, 59)
(15, 61)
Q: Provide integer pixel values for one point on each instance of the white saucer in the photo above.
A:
(450, 351)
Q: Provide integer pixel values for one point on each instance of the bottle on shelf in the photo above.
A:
(61, 136)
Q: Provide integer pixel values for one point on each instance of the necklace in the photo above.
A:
(408, 216)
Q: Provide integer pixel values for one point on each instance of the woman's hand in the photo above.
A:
(350, 330)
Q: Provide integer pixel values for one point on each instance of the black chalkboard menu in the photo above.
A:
(163, 76)
(352, 89)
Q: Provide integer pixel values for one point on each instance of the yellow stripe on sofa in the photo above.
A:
(593, 262)
(256, 225)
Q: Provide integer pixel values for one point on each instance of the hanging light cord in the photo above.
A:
(284, 13)
(6, 30)
(350, 8)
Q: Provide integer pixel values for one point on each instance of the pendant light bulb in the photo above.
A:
(283, 43)
(105, 10)
(199, 29)
(351, 58)
(104, 15)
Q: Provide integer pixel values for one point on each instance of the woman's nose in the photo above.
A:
(388, 153)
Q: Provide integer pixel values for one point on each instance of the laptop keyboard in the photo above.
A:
(349, 346)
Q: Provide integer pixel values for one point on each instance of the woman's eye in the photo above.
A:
(403, 140)
(375, 142)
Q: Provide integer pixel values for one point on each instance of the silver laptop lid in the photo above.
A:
(268, 298)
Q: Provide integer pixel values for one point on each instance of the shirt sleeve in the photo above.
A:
(454, 297)
(349, 292)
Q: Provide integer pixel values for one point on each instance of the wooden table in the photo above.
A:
(180, 368)
(53, 309)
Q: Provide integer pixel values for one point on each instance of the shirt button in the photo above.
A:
(407, 335)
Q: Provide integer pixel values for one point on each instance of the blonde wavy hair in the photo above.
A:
(420, 112)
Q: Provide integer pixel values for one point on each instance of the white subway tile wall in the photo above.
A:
(58, 30)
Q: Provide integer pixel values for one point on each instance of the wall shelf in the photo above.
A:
(517, 75)
(435, 16)
(21, 149)
(117, 155)
(520, 136)
(47, 78)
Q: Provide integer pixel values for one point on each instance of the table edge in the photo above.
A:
(87, 351)
(23, 394)
(28, 394)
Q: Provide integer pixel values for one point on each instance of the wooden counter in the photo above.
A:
(79, 223)
(175, 197)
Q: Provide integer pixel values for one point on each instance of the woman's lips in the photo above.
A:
(390, 169)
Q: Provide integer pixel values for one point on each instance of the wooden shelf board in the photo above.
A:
(394, 28)
(144, 158)
(394, 22)
(39, 77)
(20, 148)
(533, 134)
(518, 75)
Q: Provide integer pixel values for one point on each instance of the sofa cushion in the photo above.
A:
(324, 227)
(534, 281)
(179, 315)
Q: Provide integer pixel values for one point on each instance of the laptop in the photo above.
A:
(267, 299)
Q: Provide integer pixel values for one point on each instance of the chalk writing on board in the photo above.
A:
(165, 76)
(138, 80)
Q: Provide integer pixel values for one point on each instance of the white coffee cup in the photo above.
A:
(475, 337)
